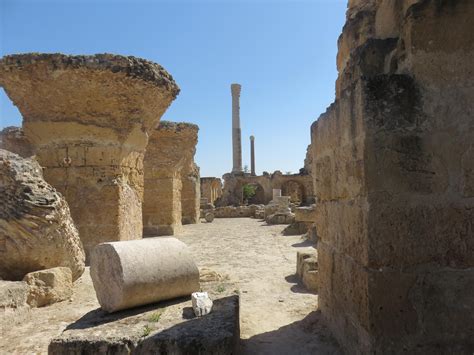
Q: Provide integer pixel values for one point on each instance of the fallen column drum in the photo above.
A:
(132, 273)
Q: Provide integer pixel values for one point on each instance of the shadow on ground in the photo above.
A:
(298, 286)
(307, 336)
(304, 243)
(98, 316)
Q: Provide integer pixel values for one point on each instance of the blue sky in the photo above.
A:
(283, 53)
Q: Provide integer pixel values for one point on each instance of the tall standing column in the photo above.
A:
(252, 155)
(236, 134)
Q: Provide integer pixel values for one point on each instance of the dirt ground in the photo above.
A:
(277, 315)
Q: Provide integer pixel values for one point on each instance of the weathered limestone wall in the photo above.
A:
(191, 194)
(394, 180)
(169, 155)
(298, 186)
(88, 118)
(13, 139)
(211, 188)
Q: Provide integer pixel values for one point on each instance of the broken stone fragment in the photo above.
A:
(301, 256)
(202, 304)
(280, 218)
(209, 217)
(49, 286)
(310, 273)
(36, 228)
(137, 272)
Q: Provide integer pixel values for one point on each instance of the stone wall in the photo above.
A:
(169, 169)
(191, 194)
(298, 186)
(88, 118)
(211, 188)
(394, 179)
(13, 139)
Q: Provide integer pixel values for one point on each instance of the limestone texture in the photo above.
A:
(133, 273)
(13, 294)
(169, 168)
(88, 119)
(191, 194)
(393, 179)
(49, 286)
(13, 139)
(36, 228)
(202, 304)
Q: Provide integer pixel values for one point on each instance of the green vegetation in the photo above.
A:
(155, 317)
(249, 191)
(146, 331)
(220, 288)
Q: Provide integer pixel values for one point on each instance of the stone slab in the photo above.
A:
(164, 328)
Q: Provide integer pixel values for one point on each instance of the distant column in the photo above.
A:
(252, 155)
(236, 134)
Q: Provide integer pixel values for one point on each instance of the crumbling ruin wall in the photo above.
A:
(233, 184)
(169, 155)
(191, 194)
(394, 180)
(211, 188)
(88, 118)
(13, 139)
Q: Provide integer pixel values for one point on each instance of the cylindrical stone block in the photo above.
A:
(138, 272)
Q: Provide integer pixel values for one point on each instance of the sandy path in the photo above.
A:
(277, 316)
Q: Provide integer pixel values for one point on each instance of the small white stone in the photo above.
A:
(202, 304)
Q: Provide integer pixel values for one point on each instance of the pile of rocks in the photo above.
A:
(283, 214)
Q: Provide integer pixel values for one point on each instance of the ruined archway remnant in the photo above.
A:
(88, 118)
(171, 178)
(393, 169)
(211, 189)
(294, 190)
(232, 190)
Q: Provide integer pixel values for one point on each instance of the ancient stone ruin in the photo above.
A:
(13, 139)
(172, 192)
(36, 228)
(88, 118)
(383, 209)
(298, 186)
(190, 193)
(394, 180)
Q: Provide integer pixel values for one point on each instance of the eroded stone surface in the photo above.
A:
(170, 178)
(36, 228)
(391, 179)
(13, 139)
(88, 118)
(49, 286)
